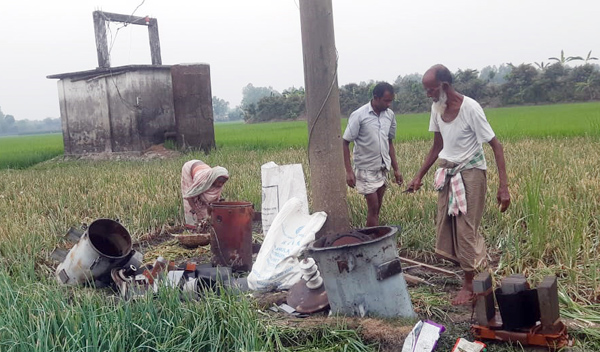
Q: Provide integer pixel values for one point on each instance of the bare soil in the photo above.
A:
(157, 151)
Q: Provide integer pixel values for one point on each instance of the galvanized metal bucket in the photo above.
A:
(362, 273)
(104, 245)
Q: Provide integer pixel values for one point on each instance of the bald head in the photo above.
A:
(437, 75)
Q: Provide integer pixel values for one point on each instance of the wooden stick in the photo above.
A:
(443, 271)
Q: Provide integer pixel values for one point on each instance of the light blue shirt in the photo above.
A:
(371, 135)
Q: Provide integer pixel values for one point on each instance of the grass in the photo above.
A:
(565, 120)
(20, 152)
(551, 228)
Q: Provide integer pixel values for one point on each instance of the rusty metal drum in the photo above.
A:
(231, 240)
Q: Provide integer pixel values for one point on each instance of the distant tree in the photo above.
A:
(353, 96)
(589, 57)
(518, 87)
(279, 108)
(586, 81)
(564, 59)
(542, 65)
(468, 83)
(495, 75)
(553, 84)
(252, 94)
(293, 91)
(9, 119)
(249, 112)
(236, 114)
(220, 108)
(410, 95)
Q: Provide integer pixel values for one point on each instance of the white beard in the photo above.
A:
(440, 105)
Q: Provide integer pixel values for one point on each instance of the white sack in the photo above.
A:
(280, 183)
(277, 265)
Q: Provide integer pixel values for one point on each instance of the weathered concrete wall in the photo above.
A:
(123, 111)
(85, 116)
(141, 109)
(192, 99)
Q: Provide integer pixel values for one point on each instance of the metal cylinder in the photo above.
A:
(104, 245)
(231, 240)
(362, 273)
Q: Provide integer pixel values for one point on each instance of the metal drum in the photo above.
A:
(104, 245)
(362, 273)
(231, 240)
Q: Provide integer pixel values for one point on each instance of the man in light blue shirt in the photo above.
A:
(372, 128)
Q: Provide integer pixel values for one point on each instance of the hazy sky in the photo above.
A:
(259, 42)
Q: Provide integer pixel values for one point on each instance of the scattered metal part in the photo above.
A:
(74, 235)
(287, 308)
(350, 274)
(388, 269)
(105, 245)
(128, 284)
(136, 258)
(59, 254)
(520, 311)
(306, 300)
(441, 270)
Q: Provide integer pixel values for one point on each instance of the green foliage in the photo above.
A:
(564, 59)
(519, 86)
(220, 108)
(410, 95)
(289, 106)
(20, 152)
(10, 126)
(468, 83)
(251, 94)
(236, 114)
(353, 96)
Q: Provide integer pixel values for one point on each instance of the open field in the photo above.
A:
(20, 152)
(564, 120)
(552, 227)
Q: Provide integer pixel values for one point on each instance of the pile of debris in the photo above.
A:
(103, 256)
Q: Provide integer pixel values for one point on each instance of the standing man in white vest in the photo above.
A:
(460, 127)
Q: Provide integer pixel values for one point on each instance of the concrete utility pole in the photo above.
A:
(328, 180)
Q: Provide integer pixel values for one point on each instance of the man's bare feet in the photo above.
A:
(463, 297)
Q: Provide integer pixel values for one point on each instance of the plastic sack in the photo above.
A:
(277, 266)
(280, 183)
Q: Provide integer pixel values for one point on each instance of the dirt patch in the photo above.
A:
(157, 151)
(266, 300)
(389, 335)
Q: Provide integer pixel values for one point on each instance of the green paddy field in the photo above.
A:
(551, 228)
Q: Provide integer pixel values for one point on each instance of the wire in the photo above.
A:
(312, 127)
(132, 107)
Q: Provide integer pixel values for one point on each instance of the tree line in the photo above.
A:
(10, 126)
(493, 86)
